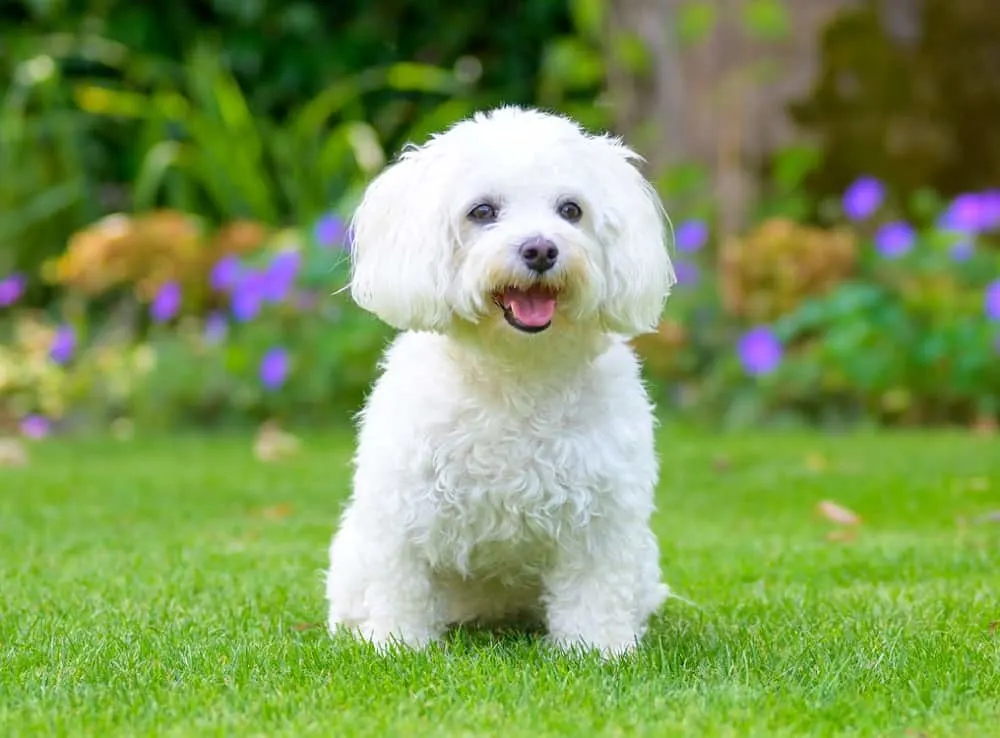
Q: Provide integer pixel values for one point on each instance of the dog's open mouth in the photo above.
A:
(529, 310)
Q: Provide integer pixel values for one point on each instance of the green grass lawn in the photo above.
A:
(172, 587)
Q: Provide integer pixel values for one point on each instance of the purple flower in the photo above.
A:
(274, 368)
(247, 297)
(687, 273)
(992, 301)
(279, 277)
(329, 231)
(216, 328)
(863, 198)
(246, 305)
(691, 235)
(760, 351)
(895, 239)
(971, 213)
(11, 289)
(225, 274)
(35, 426)
(166, 303)
(989, 201)
(63, 345)
(963, 250)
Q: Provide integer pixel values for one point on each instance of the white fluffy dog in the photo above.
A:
(505, 462)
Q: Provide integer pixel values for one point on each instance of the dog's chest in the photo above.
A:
(506, 488)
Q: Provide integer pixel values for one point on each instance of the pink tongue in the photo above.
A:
(533, 308)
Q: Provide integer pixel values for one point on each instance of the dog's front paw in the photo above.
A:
(609, 648)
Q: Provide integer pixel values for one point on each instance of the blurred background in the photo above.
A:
(175, 181)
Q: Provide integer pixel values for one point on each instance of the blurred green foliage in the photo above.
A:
(274, 110)
(223, 127)
(47, 184)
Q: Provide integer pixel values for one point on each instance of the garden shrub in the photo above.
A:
(772, 269)
(875, 319)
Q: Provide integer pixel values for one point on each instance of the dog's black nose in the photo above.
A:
(539, 254)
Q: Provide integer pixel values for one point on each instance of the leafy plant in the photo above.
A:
(207, 152)
(45, 187)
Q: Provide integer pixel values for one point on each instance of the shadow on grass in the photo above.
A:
(674, 642)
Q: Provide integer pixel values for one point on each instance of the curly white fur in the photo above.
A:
(501, 472)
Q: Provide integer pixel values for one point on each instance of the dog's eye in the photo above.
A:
(484, 212)
(570, 211)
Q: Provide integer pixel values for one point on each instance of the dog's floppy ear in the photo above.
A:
(401, 246)
(634, 231)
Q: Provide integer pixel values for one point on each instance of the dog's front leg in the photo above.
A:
(603, 587)
(380, 589)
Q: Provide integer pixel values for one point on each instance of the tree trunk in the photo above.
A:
(649, 103)
(714, 102)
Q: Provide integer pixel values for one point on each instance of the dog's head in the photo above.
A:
(515, 218)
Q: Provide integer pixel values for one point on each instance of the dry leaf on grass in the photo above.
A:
(12, 453)
(837, 513)
(306, 626)
(274, 444)
(722, 464)
(277, 512)
(994, 626)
